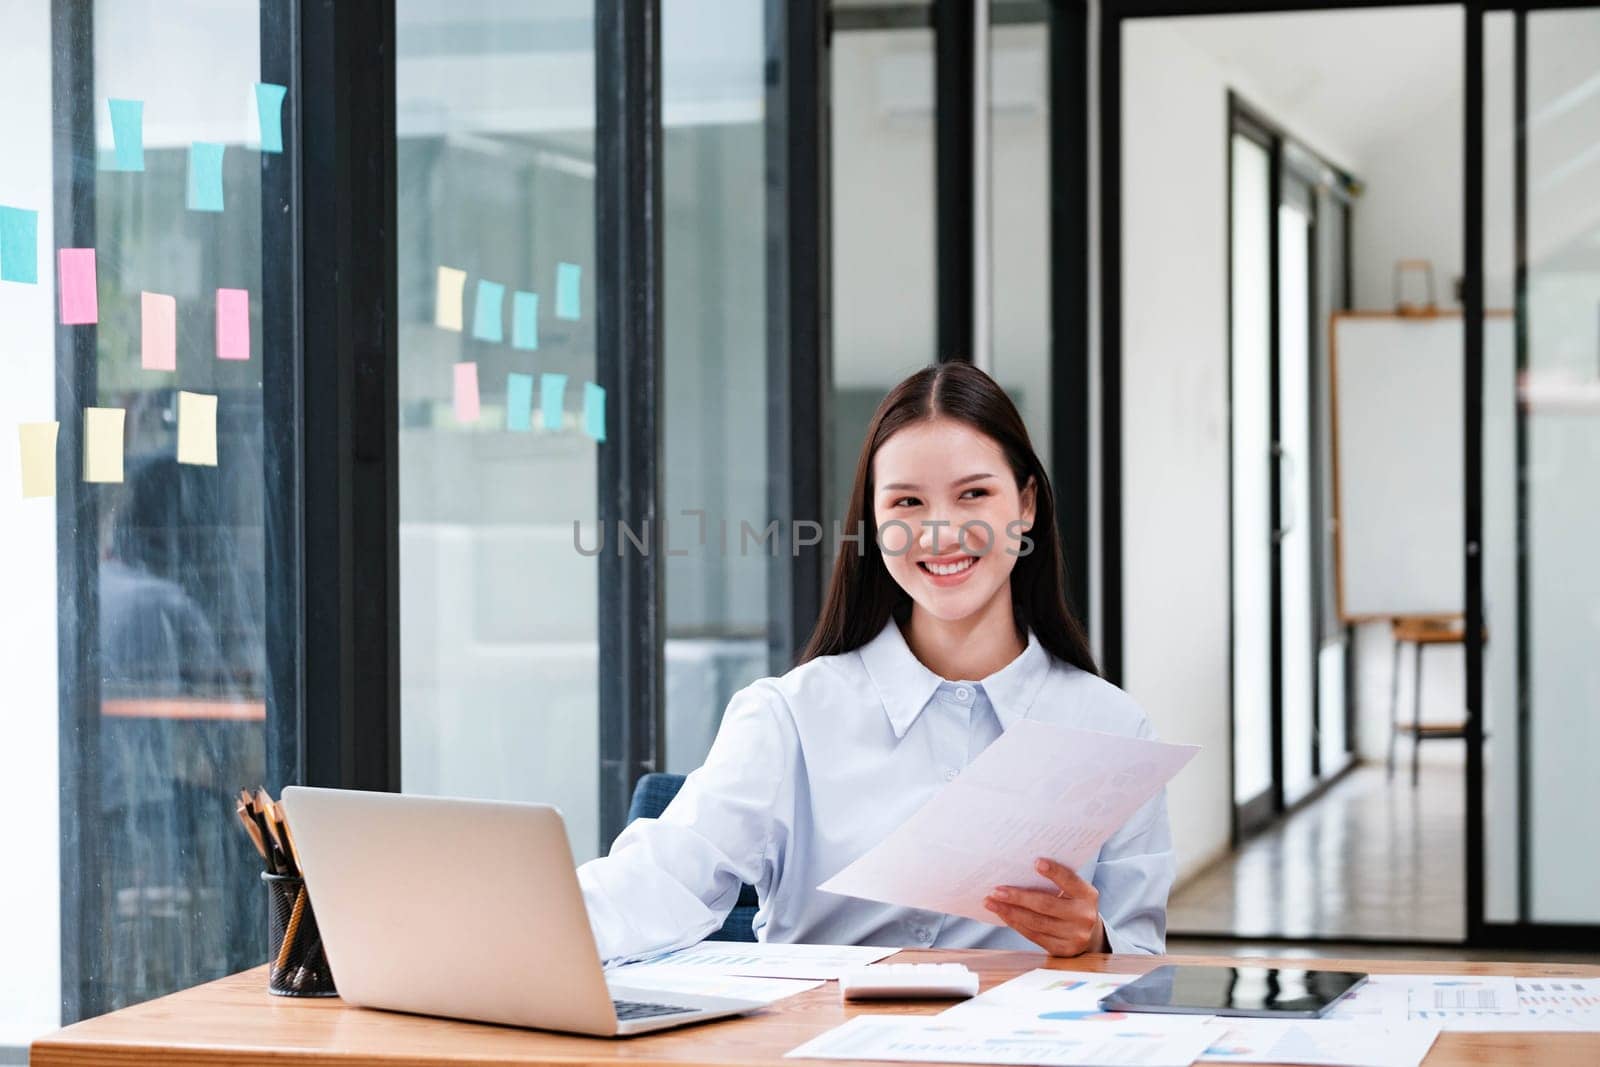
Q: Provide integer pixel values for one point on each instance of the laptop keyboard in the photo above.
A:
(633, 1009)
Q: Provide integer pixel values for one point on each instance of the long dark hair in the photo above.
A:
(862, 596)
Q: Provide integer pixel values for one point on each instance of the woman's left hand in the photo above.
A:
(1063, 924)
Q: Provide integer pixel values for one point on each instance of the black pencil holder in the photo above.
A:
(298, 966)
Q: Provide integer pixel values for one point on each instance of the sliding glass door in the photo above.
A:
(1291, 449)
(1250, 370)
(1287, 212)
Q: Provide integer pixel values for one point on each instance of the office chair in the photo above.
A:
(651, 796)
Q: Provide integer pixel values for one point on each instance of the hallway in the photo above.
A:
(1369, 859)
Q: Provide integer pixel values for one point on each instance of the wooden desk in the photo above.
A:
(235, 1021)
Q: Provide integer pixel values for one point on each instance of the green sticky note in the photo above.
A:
(205, 176)
(594, 411)
(127, 133)
(524, 320)
(569, 281)
(486, 316)
(519, 402)
(269, 111)
(19, 245)
(552, 398)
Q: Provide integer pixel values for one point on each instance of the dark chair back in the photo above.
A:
(651, 796)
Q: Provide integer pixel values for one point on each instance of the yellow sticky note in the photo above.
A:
(38, 457)
(447, 308)
(102, 444)
(197, 429)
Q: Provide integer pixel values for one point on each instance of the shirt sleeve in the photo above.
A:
(1134, 874)
(669, 882)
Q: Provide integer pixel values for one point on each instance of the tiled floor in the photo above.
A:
(1369, 859)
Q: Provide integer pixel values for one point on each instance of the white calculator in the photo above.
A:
(902, 981)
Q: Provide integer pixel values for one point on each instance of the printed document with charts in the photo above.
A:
(1038, 790)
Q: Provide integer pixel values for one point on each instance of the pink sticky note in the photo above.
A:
(158, 320)
(233, 324)
(80, 304)
(466, 392)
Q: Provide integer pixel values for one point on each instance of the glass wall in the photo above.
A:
(134, 289)
(498, 614)
(883, 247)
(1019, 214)
(1541, 444)
(714, 423)
(30, 1000)
(1559, 453)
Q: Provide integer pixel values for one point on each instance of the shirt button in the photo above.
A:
(963, 694)
(950, 774)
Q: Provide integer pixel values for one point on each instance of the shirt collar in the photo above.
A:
(905, 685)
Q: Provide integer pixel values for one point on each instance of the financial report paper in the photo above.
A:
(1038, 790)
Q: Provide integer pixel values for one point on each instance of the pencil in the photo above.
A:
(252, 832)
(293, 929)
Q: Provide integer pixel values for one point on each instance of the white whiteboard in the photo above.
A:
(1398, 444)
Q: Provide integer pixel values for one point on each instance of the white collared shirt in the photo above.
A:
(810, 770)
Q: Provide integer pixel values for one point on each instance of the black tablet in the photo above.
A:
(1258, 992)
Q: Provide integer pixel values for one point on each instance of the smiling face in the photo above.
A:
(952, 487)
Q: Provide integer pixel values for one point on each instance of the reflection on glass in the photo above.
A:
(884, 319)
(1560, 411)
(714, 448)
(1019, 211)
(499, 679)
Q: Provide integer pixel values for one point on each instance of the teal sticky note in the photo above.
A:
(487, 314)
(19, 245)
(594, 411)
(269, 110)
(127, 134)
(552, 398)
(524, 320)
(569, 280)
(519, 401)
(205, 176)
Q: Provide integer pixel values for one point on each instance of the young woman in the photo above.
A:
(937, 635)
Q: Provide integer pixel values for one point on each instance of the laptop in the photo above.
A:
(468, 909)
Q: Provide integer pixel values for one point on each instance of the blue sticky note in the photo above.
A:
(127, 133)
(19, 245)
(552, 398)
(205, 176)
(519, 401)
(269, 109)
(594, 411)
(524, 320)
(569, 278)
(487, 314)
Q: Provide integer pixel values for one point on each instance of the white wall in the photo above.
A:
(30, 995)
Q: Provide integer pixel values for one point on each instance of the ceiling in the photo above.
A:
(1361, 77)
